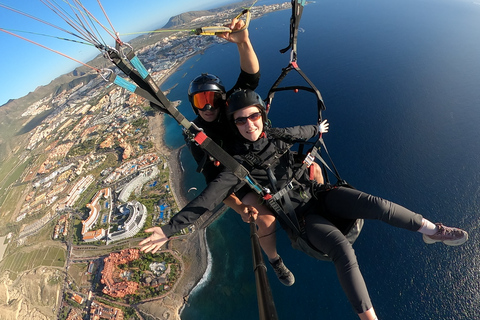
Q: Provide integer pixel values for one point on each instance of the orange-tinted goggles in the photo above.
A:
(202, 99)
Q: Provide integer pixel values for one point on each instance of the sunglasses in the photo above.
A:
(211, 98)
(240, 121)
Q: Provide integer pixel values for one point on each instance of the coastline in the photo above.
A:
(193, 249)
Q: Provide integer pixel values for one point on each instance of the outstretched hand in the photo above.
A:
(323, 126)
(155, 241)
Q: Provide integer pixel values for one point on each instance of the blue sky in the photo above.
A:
(26, 66)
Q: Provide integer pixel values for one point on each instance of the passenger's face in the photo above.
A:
(249, 122)
(209, 115)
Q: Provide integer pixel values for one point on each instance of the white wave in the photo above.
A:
(206, 276)
(208, 271)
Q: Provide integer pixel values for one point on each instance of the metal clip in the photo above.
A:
(106, 74)
(309, 159)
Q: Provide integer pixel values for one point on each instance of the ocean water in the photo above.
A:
(401, 81)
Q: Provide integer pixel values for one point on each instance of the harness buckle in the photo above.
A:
(267, 195)
(289, 186)
(200, 137)
(309, 159)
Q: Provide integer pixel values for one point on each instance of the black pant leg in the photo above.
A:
(328, 239)
(354, 204)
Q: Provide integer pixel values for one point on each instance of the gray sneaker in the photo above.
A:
(448, 235)
(285, 276)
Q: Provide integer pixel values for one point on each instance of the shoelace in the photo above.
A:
(280, 269)
(445, 231)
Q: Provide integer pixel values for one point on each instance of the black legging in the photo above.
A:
(352, 204)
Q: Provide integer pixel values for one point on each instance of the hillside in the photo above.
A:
(187, 17)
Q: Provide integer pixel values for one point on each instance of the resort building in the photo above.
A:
(138, 182)
(88, 223)
(115, 286)
(137, 215)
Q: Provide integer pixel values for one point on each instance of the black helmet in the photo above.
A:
(243, 98)
(203, 83)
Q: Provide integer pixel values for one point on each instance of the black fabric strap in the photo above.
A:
(290, 217)
(297, 11)
(313, 89)
(213, 149)
(145, 84)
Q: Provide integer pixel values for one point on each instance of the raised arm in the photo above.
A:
(248, 58)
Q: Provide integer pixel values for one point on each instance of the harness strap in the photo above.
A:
(121, 82)
(140, 76)
(335, 171)
(285, 218)
(285, 212)
(297, 11)
(315, 153)
(147, 87)
(207, 144)
(290, 216)
(293, 65)
(279, 194)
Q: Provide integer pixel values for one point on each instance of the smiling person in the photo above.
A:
(318, 206)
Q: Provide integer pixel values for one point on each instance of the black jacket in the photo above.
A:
(219, 131)
(275, 144)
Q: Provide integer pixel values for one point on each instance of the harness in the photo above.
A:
(277, 199)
